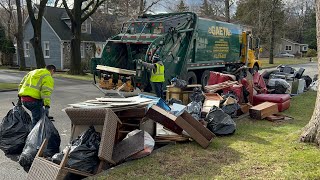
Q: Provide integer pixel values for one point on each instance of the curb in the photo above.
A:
(8, 90)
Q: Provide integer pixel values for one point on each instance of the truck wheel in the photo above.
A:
(254, 69)
(204, 78)
(191, 78)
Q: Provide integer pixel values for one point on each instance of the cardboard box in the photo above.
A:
(263, 110)
(212, 99)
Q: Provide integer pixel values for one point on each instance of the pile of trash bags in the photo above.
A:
(44, 129)
(219, 122)
(194, 108)
(179, 83)
(14, 130)
(83, 155)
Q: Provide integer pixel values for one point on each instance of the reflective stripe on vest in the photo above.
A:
(38, 86)
(158, 76)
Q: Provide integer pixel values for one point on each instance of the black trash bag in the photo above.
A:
(280, 88)
(179, 83)
(83, 155)
(173, 100)
(197, 95)
(44, 129)
(14, 130)
(219, 122)
(308, 80)
(231, 109)
(194, 108)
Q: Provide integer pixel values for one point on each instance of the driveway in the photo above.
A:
(66, 91)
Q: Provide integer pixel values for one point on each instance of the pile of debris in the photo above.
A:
(106, 132)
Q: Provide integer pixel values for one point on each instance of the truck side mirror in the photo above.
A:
(257, 43)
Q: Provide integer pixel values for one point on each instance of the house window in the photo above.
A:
(82, 50)
(289, 48)
(46, 49)
(26, 49)
(84, 27)
(304, 48)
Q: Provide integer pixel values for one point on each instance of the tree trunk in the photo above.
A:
(75, 67)
(273, 30)
(75, 51)
(37, 47)
(311, 132)
(227, 8)
(141, 7)
(19, 36)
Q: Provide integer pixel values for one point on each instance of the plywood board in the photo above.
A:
(263, 110)
(116, 70)
(128, 147)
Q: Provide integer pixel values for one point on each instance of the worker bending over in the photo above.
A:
(35, 91)
(157, 74)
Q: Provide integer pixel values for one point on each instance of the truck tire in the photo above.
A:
(191, 78)
(254, 69)
(204, 78)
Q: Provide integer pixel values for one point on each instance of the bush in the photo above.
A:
(311, 53)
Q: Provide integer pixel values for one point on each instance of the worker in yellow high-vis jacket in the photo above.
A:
(35, 91)
(157, 74)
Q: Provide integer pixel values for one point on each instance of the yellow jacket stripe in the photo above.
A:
(37, 84)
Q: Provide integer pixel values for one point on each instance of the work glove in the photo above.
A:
(46, 110)
(139, 61)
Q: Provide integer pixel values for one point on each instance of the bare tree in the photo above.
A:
(311, 132)
(77, 16)
(19, 37)
(35, 16)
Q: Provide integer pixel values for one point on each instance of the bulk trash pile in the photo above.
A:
(109, 131)
(44, 129)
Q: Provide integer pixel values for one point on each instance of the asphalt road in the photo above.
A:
(66, 91)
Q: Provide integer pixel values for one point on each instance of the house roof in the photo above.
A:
(292, 42)
(56, 17)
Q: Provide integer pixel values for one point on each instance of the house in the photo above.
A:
(56, 37)
(291, 47)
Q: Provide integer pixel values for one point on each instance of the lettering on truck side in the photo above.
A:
(219, 31)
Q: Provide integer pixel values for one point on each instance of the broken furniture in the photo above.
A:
(211, 99)
(181, 94)
(263, 110)
(220, 86)
(43, 169)
(282, 100)
(103, 120)
(116, 78)
(183, 122)
(216, 78)
(297, 86)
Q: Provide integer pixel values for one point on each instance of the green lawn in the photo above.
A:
(284, 61)
(7, 86)
(86, 77)
(258, 150)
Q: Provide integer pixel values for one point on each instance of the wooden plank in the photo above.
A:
(128, 147)
(193, 132)
(263, 110)
(198, 126)
(164, 118)
(116, 70)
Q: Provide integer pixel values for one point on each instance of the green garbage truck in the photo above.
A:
(189, 46)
